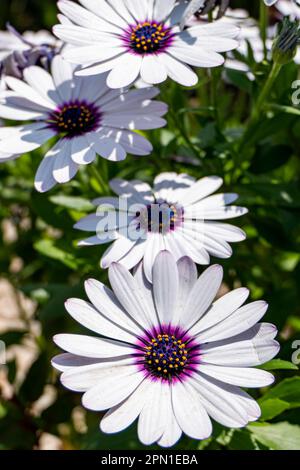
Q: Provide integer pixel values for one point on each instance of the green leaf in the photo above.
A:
(279, 436)
(278, 364)
(288, 390)
(272, 407)
(78, 204)
(47, 248)
(268, 158)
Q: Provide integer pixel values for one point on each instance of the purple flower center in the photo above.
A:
(161, 217)
(169, 354)
(148, 37)
(75, 118)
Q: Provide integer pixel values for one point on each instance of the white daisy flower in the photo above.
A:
(82, 112)
(179, 214)
(18, 51)
(133, 39)
(168, 355)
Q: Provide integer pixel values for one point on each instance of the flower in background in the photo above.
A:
(203, 7)
(87, 118)
(289, 8)
(18, 51)
(179, 214)
(170, 356)
(141, 39)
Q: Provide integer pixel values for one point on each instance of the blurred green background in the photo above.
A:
(41, 266)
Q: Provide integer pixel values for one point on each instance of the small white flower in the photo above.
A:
(172, 357)
(179, 214)
(13, 42)
(133, 39)
(87, 117)
(20, 51)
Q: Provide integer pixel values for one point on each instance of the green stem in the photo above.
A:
(97, 175)
(259, 106)
(263, 23)
(266, 89)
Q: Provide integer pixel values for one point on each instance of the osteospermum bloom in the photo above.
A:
(172, 357)
(141, 39)
(82, 112)
(18, 51)
(179, 214)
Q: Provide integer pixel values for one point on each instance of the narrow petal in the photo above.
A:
(116, 384)
(189, 412)
(165, 286)
(202, 295)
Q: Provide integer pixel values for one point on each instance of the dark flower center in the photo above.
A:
(161, 217)
(166, 356)
(75, 118)
(149, 37)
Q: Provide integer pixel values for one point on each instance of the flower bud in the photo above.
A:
(285, 44)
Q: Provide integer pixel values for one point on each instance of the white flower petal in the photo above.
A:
(202, 295)
(62, 73)
(82, 378)
(201, 189)
(88, 346)
(115, 252)
(96, 321)
(130, 295)
(220, 401)
(178, 71)
(151, 422)
(252, 348)
(123, 415)
(153, 70)
(82, 153)
(189, 412)
(67, 361)
(165, 286)
(187, 273)
(221, 309)
(42, 82)
(115, 385)
(241, 376)
(239, 321)
(106, 302)
(64, 169)
(26, 138)
(155, 244)
(125, 72)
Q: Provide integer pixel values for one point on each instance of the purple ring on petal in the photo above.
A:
(167, 353)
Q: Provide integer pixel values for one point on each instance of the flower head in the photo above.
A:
(179, 214)
(168, 354)
(202, 7)
(18, 51)
(141, 39)
(84, 115)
